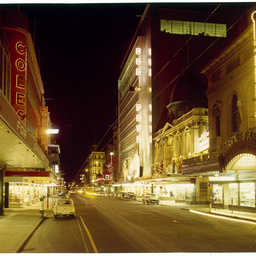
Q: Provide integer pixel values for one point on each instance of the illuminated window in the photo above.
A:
(193, 28)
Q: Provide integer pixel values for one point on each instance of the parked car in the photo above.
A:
(64, 207)
(132, 196)
(125, 195)
(63, 195)
(150, 198)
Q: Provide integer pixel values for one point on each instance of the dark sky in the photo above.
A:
(80, 48)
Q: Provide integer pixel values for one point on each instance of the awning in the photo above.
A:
(18, 148)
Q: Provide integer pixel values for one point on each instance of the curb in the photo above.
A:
(234, 217)
(29, 235)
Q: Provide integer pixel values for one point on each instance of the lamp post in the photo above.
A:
(111, 157)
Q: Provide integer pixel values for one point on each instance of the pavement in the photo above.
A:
(17, 225)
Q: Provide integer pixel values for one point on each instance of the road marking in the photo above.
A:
(85, 245)
(89, 235)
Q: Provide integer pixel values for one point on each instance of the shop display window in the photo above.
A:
(247, 194)
(217, 194)
(233, 193)
(184, 192)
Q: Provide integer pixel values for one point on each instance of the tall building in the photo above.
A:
(171, 40)
(27, 163)
(95, 165)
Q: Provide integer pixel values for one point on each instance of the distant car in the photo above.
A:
(72, 192)
(63, 195)
(125, 195)
(150, 198)
(64, 207)
(132, 196)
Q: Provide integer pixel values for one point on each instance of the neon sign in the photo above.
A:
(138, 61)
(20, 84)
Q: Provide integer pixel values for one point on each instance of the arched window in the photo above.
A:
(234, 114)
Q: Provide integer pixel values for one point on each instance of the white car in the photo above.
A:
(150, 198)
(64, 207)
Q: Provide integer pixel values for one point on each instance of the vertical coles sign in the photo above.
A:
(18, 46)
(44, 122)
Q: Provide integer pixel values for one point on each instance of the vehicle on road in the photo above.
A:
(132, 196)
(63, 195)
(64, 207)
(150, 198)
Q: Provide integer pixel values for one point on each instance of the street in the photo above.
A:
(109, 225)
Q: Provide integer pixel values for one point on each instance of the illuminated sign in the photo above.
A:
(138, 61)
(18, 48)
(20, 81)
(43, 134)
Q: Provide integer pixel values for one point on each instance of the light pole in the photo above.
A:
(111, 156)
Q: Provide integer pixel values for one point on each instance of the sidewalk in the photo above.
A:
(247, 216)
(18, 224)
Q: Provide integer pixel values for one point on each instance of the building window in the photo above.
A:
(217, 125)
(216, 118)
(234, 114)
(179, 27)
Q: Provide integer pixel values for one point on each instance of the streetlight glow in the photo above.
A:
(52, 131)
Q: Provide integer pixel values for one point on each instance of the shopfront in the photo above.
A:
(235, 187)
(24, 191)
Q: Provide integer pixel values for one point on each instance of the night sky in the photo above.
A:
(80, 48)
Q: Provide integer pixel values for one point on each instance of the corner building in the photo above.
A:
(232, 123)
(26, 166)
(166, 45)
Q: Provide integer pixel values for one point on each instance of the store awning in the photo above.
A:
(18, 148)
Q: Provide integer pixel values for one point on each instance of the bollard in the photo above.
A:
(210, 206)
(42, 207)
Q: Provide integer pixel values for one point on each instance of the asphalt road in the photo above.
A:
(109, 225)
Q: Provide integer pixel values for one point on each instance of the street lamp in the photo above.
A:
(111, 155)
(52, 131)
